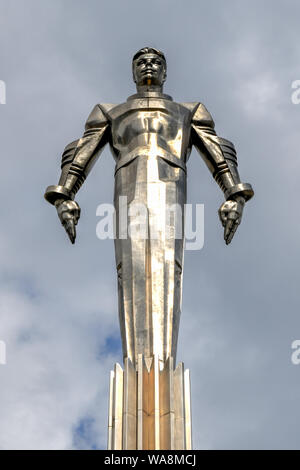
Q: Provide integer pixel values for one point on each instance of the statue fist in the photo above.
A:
(230, 214)
(68, 213)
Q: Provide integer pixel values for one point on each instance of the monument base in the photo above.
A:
(149, 406)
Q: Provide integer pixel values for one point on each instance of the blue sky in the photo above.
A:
(58, 303)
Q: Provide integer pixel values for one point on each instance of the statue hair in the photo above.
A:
(149, 50)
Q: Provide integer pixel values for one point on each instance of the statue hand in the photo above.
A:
(230, 214)
(68, 213)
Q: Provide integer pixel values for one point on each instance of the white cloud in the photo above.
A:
(258, 96)
(58, 304)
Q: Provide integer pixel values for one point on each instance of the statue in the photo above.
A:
(151, 138)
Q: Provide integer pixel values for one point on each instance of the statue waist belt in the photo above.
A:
(144, 153)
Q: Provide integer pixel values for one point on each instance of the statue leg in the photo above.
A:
(150, 269)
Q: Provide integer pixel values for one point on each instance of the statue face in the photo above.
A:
(149, 67)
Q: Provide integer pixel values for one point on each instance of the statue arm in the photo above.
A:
(79, 157)
(77, 161)
(220, 157)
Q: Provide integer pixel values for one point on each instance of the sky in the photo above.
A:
(58, 302)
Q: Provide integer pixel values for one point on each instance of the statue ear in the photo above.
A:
(165, 73)
(133, 74)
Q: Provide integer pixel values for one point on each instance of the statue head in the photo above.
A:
(149, 67)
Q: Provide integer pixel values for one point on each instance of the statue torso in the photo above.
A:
(150, 124)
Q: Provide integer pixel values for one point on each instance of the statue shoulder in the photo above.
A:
(99, 116)
(200, 115)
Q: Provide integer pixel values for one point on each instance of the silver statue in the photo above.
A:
(151, 138)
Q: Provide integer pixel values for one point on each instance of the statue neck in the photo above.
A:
(150, 94)
(146, 88)
(150, 91)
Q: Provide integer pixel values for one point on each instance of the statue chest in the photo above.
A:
(150, 123)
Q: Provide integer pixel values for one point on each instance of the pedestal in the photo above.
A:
(149, 406)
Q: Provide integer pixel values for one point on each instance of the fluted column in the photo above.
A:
(149, 406)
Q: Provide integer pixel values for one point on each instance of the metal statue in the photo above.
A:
(151, 138)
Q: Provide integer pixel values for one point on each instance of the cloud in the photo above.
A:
(58, 304)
